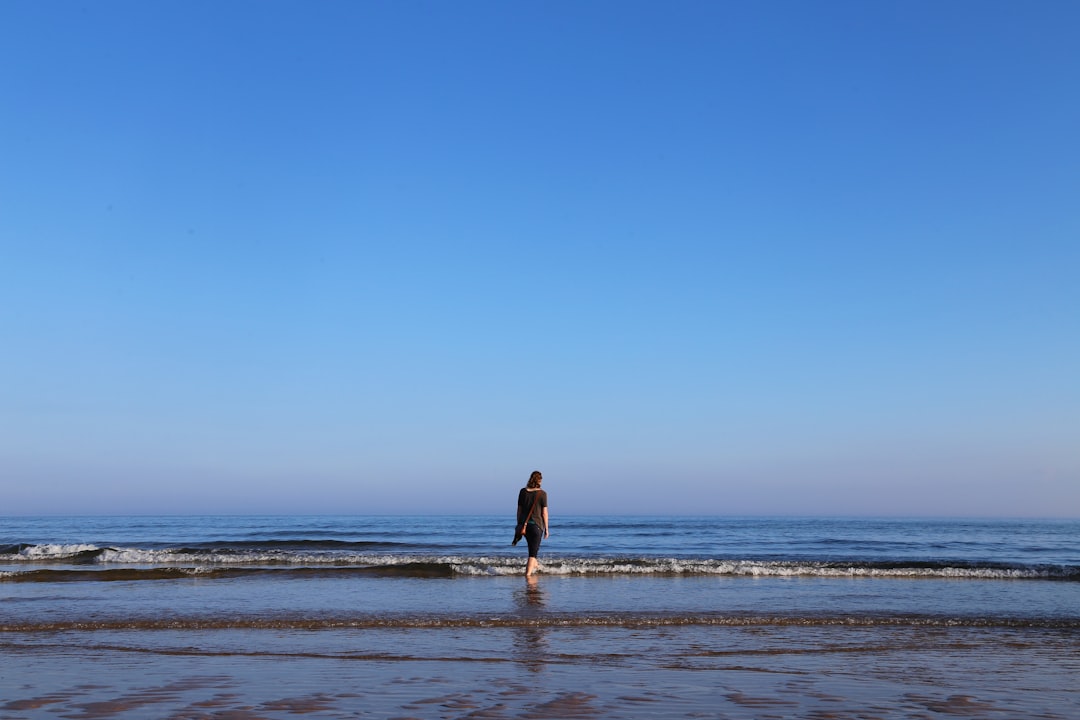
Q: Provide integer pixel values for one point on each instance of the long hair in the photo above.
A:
(534, 479)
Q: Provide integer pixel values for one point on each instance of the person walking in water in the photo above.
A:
(532, 518)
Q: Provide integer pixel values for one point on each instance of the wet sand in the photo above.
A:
(160, 621)
(830, 672)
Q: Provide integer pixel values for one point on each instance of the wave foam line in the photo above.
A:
(94, 563)
(52, 551)
(239, 553)
(429, 567)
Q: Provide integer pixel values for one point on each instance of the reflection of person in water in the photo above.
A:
(532, 518)
(532, 631)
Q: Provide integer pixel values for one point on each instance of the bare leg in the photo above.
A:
(530, 567)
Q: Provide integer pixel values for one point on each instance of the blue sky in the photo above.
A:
(749, 258)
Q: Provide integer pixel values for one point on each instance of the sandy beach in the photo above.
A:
(629, 672)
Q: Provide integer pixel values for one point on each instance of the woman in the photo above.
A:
(532, 517)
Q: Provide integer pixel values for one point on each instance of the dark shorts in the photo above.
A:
(533, 534)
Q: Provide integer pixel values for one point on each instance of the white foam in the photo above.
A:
(201, 570)
(133, 556)
(50, 552)
(512, 564)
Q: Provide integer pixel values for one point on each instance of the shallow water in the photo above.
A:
(646, 672)
(368, 617)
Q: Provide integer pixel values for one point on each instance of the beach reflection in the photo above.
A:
(534, 593)
(531, 645)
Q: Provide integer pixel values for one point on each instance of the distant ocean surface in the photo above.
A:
(700, 610)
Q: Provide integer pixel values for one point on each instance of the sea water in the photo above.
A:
(202, 617)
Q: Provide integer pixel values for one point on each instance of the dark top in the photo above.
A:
(525, 501)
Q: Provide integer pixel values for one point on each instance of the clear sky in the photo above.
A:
(683, 257)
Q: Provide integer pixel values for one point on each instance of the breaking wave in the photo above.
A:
(90, 563)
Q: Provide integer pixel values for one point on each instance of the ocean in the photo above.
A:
(635, 617)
